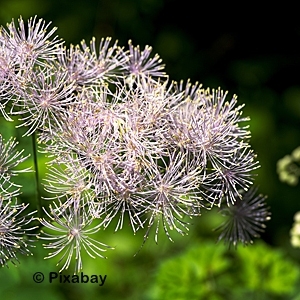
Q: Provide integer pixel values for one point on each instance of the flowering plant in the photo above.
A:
(123, 141)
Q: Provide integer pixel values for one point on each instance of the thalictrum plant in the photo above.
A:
(122, 140)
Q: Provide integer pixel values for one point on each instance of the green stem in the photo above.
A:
(37, 181)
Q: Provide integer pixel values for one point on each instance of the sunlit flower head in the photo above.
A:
(10, 159)
(71, 181)
(170, 195)
(206, 124)
(68, 233)
(43, 99)
(16, 235)
(229, 178)
(140, 64)
(31, 44)
(92, 64)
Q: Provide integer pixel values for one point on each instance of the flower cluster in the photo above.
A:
(15, 228)
(124, 141)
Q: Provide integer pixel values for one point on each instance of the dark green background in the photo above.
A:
(249, 52)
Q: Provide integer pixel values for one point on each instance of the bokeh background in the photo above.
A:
(249, 52)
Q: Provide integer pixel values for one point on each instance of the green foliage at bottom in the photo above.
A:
(210, 271)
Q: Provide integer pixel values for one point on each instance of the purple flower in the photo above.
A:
(10, 158)
(43, 99)
(31, 44)
(140, 64)
(68, 233)
(15, 236)
(122, 141)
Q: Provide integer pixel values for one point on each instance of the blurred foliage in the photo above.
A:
(209, 271)
(260, 63)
